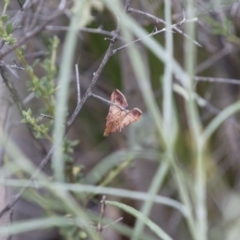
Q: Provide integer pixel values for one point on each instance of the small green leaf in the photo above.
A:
(29, 111)
(24, 113)
(38, 135)
(4, 18)
(35, 62)
(37, 94)
(29, 68)
(9, 28)
(12, 41)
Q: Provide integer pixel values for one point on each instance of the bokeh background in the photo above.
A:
(161, 154)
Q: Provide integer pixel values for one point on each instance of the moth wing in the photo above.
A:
(130, 117)
(118, 98)
(115, 114)
(113, 122)
(117, 119)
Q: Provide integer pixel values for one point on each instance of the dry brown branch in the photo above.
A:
(159, 20)
(96, 75)
(155, 32)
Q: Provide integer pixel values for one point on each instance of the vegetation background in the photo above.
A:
(174, 174)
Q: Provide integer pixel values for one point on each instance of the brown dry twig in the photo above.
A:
(100, 227)
(155, 32)
(102, 212)
(96, 75)
(159, 20)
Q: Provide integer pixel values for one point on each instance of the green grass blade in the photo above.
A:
(62, 93)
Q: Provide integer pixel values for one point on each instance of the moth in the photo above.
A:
(118, 118)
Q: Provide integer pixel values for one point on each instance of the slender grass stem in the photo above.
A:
(62, 93)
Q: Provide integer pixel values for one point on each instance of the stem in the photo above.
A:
(6, 2)
(62, 93)
(167, 79)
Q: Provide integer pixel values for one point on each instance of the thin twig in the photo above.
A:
(110, 224)
(16, 63)
(36, 54)
(98, 30)
(116, 221)
(20, 4)
(78, 85)
(102, 212)
(15, 66)
(159, 20)
(127, 5)
(138, 40)
(108, 102)
(37, 13)
(96, 75)
(28, 98)
(174, 26)
(217, 80)
(46, 116)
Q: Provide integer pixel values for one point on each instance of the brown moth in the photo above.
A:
(117, 118)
